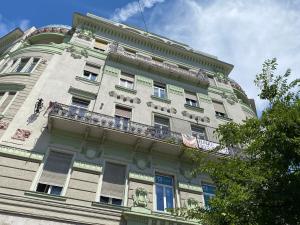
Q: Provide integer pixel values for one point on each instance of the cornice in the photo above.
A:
(20, 153)
(10, 37)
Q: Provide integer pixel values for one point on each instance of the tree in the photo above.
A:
(261, 184)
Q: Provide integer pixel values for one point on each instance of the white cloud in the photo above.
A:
(241, 32)
(132, 8)
(7, 26)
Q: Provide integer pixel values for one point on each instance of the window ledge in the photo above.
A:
(195, 108)
(110, 206)
(87, 81)
(166, 100)
(119, 87)
(223, 118)
(45, 196)
(14, 73)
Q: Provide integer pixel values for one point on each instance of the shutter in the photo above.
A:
(56, 168)
(219, 107)
(123, 112)
(92, 68)
(113, 182)
(7, 101)
(127, 76)
(190, 95)
(100, 44)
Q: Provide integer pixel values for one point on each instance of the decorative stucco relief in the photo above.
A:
(3, 125)
(162, 108)
(140, 199)
(77, 53)
(204, 119)
(124, 98)
(231, 98)
(21, 134)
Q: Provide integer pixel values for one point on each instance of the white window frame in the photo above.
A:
(11, 68)
(4, 98)
(90, 75)
(42, 165)
(29, 64)
(160, 90)
(174, 190)
(127, 83)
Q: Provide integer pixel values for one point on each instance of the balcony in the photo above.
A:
(79, 120)
(118, 53)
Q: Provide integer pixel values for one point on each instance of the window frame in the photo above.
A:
(210, 195)
(4, 97)
(122, 77)
(197, 126)
(160, 87)
(41, 169)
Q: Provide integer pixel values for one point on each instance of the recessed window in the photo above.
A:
(191, 99)
(100, 45)
(91, 72)
(198, 132)
(54, 173)
(160, 90)
(219, 109)
(6, 99)
(161, 125)
(164, 187)
(127, 80)
(21, 65)
(113, 184)
(122, 117)
(32, 65)
(78, 107)
(209, 191)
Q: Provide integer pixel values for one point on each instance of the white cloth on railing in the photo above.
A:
(189, 141)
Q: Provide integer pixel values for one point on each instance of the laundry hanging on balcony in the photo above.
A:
(189, 141)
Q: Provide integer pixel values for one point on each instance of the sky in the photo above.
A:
(241, 32)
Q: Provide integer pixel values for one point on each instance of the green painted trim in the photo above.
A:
(112, 71)
(219, 90)
(88, 167)
(141, 177)
(21, 153)
(49, 48)
(110, 206)
(11, 86)
(144, 81)
(190, 187)
(119, 87)
(203, 97)
(175, 90)
(45, 196)
(87, 81)
(165, 100)
(82, 94)
(194, 108)
(248, 109)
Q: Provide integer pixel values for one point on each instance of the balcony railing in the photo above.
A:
(63, 29)
(115, 123)
(199, 76)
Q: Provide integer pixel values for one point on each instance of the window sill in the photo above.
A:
(110, 206)
(166, 100)
(87, 81)
(195, 108)
(223, 118)
(119, 87)
(45, 196)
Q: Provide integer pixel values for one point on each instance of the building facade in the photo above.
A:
(93, 120)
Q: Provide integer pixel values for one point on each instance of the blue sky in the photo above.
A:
(241, 32)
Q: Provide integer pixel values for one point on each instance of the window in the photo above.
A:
(78, 107)
(127, 80)
(160, 90)
(6, 99)
(91, 72)
(122, 117)
(191, 99)
(100, 45)
(21, 65)
(198, 132)
(209, 191)
(219, 109)
(164, 187)
(54, 173)
(161, 125)
(113, 184)
(32, 65)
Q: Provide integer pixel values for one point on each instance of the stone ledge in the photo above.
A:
(165, 100)
(20, 153)
(87, 167)
(116, 207)
(194, 108)
(189, 187)
(46, 196)
(119, 87)
(147, 178)
(84, 80)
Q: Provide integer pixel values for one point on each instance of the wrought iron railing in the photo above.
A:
(118, 50)
(115, 123)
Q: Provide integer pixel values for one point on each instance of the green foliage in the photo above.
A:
(261, 184)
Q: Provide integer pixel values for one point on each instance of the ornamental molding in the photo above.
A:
(140, 199)
(221, 78)
(84, 34)
(112, 71)
(190, 187)
(231, 98)
(3, 125)
(144, 81)
(175, 90)
(21, 153)
(142, 177)
(204, 97)
(141, 162)
(162, 108)
(88, 167)
(77, 53)
(124, 98)
(195, 117)
(21, 134)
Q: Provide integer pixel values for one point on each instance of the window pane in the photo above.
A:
(166, 180)
(116, 201)
(160, 198)
(209, 189)
(104, 199)
(169, 197)
(55, 190)
(42, 188)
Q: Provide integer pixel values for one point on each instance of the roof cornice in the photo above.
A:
(9, 38)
